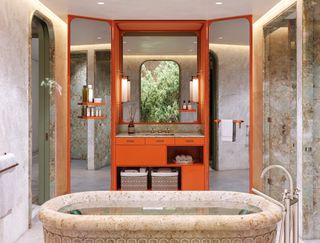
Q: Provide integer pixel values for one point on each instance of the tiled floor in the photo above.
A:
(84, 180)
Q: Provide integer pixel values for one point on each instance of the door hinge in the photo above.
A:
(47, 136)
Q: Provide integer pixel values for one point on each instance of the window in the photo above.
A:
(160, 91)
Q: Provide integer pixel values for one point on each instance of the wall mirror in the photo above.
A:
(90, 104)
(158, 73)
(229, 59)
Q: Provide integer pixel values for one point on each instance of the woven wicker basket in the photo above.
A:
(134, 181)
(164, 181)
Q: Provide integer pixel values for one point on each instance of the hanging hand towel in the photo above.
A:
(227, 131)
(7, 184)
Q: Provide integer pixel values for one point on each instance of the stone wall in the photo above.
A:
(311, 119)
(233, 103)
(15, 119)
(78, 127)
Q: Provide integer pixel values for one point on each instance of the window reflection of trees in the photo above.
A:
(160, 86)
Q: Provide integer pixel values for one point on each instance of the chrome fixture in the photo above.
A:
(289, 206)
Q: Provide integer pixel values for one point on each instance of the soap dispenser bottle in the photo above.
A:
(189, 105)
(184, 106)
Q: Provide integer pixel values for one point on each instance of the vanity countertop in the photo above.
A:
(150, 135)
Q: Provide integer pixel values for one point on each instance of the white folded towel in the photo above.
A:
(227, 131)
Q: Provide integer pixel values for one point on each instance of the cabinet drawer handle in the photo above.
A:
(130, 141)
(160, 141)
(189, 141)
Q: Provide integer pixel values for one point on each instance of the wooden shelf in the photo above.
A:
(92, 117)
(91, 104)
(193, 110)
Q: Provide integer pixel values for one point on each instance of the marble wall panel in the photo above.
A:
(280, 102)
(311, 117)
(102, 88)
(79, 127)
(15, 119)
(233, 103)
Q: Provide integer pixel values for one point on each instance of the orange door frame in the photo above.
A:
(251, 127)
(146, 25)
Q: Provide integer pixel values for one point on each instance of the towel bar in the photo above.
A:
(8, 168)
(234, 121)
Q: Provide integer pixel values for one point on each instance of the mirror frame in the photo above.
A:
(137, 30)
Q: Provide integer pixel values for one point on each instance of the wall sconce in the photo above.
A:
(125, 89)
(194, 89)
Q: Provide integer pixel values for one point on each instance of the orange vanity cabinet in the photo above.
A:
(135, 152)
(160, 140)
(160, 152)
(189, 141)
(192, 177)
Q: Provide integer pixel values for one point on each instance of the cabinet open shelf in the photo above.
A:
(91, 104)
(196, 152)
(92, 117)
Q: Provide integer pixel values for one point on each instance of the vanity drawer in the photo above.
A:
(141, 155)
(157, 141)
(189, 141)
(127, 141)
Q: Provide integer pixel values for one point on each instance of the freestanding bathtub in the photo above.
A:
(159, 217)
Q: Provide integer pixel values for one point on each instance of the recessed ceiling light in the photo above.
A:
(219, 3)
(220, 38)
(128, 50)
(100, 3)
(99, 37)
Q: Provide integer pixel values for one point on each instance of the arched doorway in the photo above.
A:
(42, 114)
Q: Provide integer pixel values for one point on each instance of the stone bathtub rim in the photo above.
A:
(50, 217)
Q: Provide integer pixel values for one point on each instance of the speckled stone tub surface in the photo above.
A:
(61, 227)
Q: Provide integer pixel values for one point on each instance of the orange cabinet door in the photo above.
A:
(157, 141)
(128, 141)
(192, 178)
(141, 155)
(189, 141)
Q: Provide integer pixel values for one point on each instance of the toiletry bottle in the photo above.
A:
(131, 129)
(189, 105)
(88, 111)
(184, 106)
(85, 93)
(90, 93)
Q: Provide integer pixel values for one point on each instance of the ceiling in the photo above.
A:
(231, 32)
(89, 32)
(160, 9)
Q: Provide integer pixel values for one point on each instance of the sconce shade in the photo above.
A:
(195, 89)
(125, 89)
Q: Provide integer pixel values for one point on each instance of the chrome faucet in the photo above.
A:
(289, 177)
(289, 206)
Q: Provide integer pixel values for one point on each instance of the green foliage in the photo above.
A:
(160, 81)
